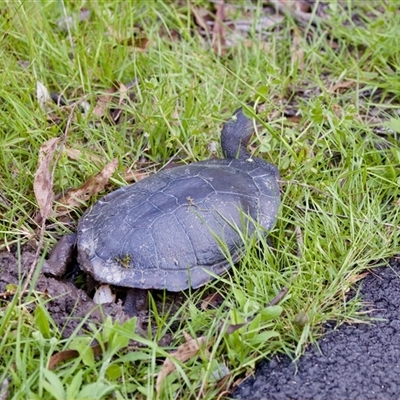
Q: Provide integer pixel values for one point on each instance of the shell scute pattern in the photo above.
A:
(164, 232)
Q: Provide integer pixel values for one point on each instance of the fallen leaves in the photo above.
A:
(221, 29)
(212, 300)
(358, 277)
(193, 347)
(298, 9)
(43, 181)
(200, 14)
(70, 354)
(185, 351)
(43, 184)
(103, 102)
(76, 154)
(43, 189)
(297, 52)
(136, 38)
(134, 176)
(341, 85)
(218, 41)
(111, 103)
(95, 184)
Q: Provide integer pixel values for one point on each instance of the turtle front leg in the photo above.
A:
(60, 256)
(136, 302)
(136, 305)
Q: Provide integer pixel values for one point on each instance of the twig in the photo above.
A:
(278, 298)
(282, 293)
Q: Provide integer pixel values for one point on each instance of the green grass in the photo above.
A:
(340, 179)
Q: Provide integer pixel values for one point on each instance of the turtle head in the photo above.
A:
(236, 135)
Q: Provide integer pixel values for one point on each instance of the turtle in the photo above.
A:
(171, 230)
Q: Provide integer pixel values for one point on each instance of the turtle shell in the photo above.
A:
(172, 230)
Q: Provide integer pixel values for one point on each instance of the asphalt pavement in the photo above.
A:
(360, 361)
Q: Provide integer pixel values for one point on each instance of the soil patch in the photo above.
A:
(67, 304)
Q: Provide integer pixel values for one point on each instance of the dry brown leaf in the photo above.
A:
(295, 119)
(54, 119)
(297, 5)
(199, 14)
(218, 42)
(123, 92)
(61, 356)
(175, 118)
(137, 38)
(297, 52)
(278, 298)
(108, 101)
(187, 337)
(132, 176)
(337, 110)
(75, 154)
(66, 355)
(299, 10)
(43, 181)
(213, 299)
(103, 102)
(185, 352)
(263, 46)
(234, 327)
(341, 85)
(95, 184)
(358, 277)
(114, 33)
(303, 6)
(333, 44)
(140, 43)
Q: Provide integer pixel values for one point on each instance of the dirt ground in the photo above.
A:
(66, 304)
